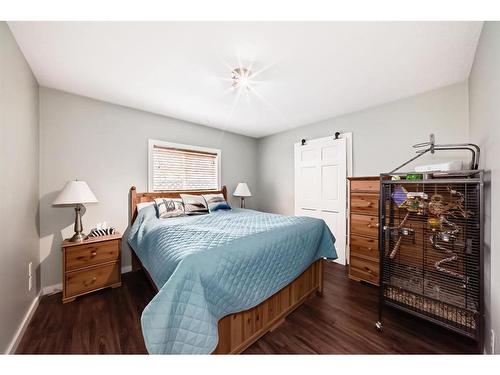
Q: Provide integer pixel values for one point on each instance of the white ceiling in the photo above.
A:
(309, 71)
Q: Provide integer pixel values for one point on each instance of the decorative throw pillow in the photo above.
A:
(216, 202)
(169, 207)
(194, 204)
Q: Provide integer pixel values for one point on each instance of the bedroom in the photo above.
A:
(238, 201)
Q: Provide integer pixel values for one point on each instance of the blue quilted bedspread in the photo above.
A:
(209, 266)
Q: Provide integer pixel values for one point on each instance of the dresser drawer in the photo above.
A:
(365, 185)
(364, 247)
(364, 225)
(365, 203)
(79, 282)
(364, 269)
(92, 254)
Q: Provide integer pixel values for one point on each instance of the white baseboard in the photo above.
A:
(11, 349)
(51, 289)
(127, 269)
(56, 288)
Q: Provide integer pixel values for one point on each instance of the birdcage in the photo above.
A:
(431, 247)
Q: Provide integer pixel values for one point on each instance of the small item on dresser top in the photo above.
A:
(216, 202)
(169, 207)
(102, 230)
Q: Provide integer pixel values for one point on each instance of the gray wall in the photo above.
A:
(382, 139)
(18, 186)
(106, 146)
(484, 89)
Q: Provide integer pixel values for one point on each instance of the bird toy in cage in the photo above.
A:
(415, 202)
(412, 202)
(445, 231)
(401, 231)
(453, 208)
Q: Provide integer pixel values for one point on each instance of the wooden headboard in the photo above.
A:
(136, 197)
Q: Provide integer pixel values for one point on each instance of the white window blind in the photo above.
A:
(184, 169)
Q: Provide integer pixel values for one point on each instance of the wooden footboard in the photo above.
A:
(238, 331)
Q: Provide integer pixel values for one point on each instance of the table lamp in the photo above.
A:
(242, 191)
(76, 193)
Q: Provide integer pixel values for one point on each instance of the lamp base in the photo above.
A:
(78, 237)
(242, 202)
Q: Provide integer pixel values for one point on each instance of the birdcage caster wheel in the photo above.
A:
(378, 325)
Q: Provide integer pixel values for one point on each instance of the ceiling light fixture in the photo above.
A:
(241, 78)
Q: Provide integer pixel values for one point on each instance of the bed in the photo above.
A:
(223, 279)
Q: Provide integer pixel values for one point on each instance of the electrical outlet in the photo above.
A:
(492, 341)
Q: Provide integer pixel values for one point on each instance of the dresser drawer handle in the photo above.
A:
(373, 225)
(93, 253)
(370, 249)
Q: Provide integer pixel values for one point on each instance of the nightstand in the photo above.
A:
(91, 265)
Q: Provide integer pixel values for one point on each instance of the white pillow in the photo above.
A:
(142, 205)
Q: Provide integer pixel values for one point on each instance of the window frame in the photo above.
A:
(159, 143)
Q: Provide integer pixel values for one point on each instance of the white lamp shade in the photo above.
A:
(75, 192)
(242, 190)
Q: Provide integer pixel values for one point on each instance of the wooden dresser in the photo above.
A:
(363, 233)
(91, 265)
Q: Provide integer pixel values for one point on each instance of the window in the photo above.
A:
(174, 166)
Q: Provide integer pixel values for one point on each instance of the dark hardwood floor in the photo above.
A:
(340, 322)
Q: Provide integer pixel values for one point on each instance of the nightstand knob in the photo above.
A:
(94, 278)
(93, 253)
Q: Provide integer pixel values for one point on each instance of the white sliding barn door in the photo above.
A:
(320, 186)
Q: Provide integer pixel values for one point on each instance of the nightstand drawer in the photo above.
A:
(79, 282)
(92, 254)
